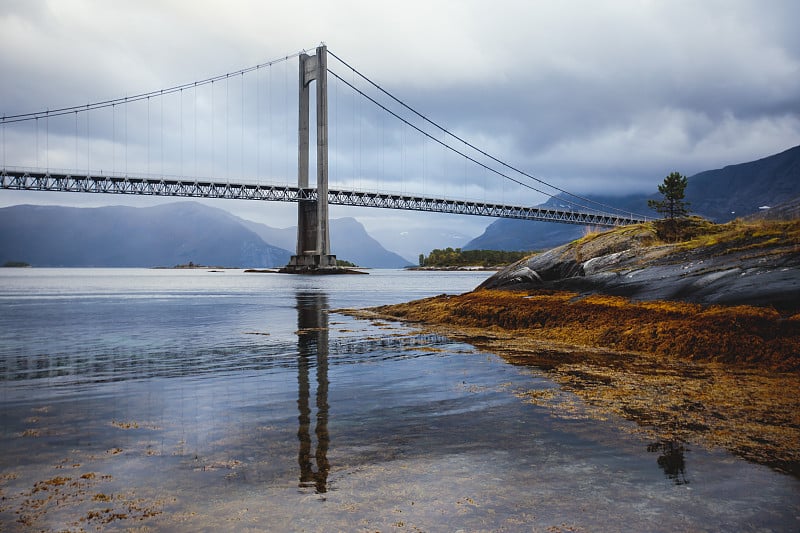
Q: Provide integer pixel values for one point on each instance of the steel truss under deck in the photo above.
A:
(187, 187)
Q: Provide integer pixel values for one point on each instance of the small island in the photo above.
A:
(16, 264)
(458, 259)
(191, 265)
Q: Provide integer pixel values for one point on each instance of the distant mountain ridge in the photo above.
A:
(119, 236)
(164, 235)
(349, 241)
(526, 235)
(739, 190)
(720, 195)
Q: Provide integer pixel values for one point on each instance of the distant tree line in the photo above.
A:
(450, 257)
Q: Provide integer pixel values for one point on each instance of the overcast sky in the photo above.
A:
(592, 96)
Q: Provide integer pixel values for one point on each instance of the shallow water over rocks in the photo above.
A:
(200, 401)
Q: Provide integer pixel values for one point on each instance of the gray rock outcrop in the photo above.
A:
(629, 262)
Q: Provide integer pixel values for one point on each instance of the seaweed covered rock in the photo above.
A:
(741, 262)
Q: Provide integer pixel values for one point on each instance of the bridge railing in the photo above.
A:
(46, 180)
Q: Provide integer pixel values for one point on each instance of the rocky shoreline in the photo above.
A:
(696, 342)
(739, 263)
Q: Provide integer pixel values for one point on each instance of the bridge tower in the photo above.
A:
(313, 237)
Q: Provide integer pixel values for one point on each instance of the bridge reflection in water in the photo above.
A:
(312, 343)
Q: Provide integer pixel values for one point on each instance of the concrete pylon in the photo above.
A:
(313, 251)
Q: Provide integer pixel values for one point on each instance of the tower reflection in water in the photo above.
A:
(312, 343)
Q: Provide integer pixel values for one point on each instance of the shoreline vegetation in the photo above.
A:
(685, 373)
(458, 259)
(192, 266)
(454, 268)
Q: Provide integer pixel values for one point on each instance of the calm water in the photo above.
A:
(207, 401)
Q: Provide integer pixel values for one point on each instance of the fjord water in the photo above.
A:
(191, 400)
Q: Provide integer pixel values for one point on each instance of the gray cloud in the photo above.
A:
(593, 96)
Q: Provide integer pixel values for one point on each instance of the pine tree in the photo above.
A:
(673, 189)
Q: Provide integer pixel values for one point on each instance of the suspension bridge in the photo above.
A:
(429, 157)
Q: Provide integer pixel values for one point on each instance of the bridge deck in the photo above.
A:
(190, 188)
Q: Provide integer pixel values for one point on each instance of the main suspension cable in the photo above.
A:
(457, 151)
(482, 152)
(108, 103)
(428, 135)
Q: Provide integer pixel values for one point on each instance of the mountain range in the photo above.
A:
(165, 235)
(719, 195)
(350, 241)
